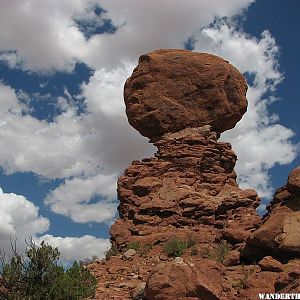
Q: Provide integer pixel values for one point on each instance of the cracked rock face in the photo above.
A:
(171, 90)
(188, 187)
(280, 232)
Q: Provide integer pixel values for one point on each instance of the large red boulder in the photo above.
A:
(175, 280)
(171, 90)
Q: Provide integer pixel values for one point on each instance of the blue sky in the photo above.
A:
(64, 136)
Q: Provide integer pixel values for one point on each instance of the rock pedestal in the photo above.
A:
(188, 188)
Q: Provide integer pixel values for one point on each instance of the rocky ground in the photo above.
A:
(186, 230)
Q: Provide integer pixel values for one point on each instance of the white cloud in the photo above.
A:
(147, 25)
(19, 218)
(77, 248)
(258, 140)
(58, 43)
(47, 25)
(73, 199)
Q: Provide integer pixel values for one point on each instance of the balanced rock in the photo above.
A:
(171, 90)
(186, 195)
(183, 100)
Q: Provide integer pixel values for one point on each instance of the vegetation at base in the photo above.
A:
(243, 282)
(37, 276)
(136, 245)
(191, 242)
(112, 251)
(140, 248)
(175, 247)
(194, 250)
(219, 252)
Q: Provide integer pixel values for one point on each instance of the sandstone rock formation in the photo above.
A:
(280, 232)
(187, 189)
(171, 90)
(188, 194)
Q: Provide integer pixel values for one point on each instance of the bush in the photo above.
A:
(243, 282)
(191, 242)
(136, 245)
(175, 247)
(194, 250)
(37, 276)
(140, 248)
(113, 251)
(219, 252)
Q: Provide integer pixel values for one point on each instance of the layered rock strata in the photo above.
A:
(279, 234)
(188, 188)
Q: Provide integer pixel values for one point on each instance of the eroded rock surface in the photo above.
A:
(171, 90)
(188, 191)
(188, 188)
(280, 232)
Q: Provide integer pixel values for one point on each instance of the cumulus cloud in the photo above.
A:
(52, 27)
(259, 140)
(77, 248)
(73, 199)
(19, 218)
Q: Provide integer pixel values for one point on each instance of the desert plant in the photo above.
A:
(175, 247)
(194, 250)
(136, 245)
(243, 282)
(112, 251)
(219, 252)
(140, 248)
(191, 241)
(38, 276)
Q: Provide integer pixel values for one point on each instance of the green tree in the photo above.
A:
(38, 276)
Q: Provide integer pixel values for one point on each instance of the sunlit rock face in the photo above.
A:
(171, 90)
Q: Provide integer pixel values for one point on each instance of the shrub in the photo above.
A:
(191, 241)
(243, 282)
(219, 252)
(37, 276)
(144, 249)
(136, 245)
(175, 247)
(140, 248)
(194, 250)
(112, 251)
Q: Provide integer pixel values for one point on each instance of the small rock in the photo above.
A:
(179, 260)
(232, 258)
(128, 255)
(138, 292)
(163, 257)
(125, 285)
(268, 263)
